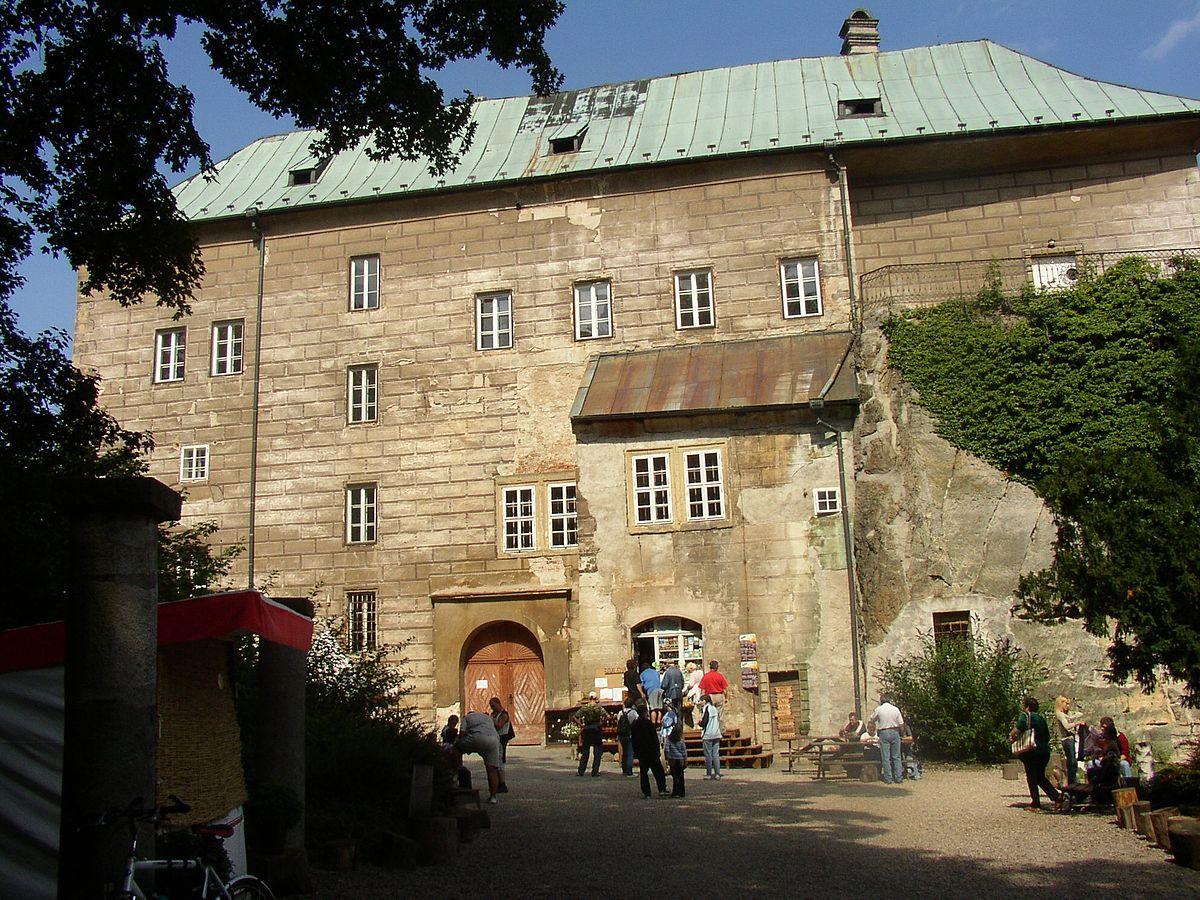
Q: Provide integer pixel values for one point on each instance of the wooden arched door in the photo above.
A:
(504, 660)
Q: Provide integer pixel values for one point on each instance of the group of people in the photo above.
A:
(655, 685)
(487, 734)
(885, 731)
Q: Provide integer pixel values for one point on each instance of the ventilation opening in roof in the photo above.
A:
(306, 174)
(569, 144)
(863, 106)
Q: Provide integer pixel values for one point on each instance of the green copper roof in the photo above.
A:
(950, 89)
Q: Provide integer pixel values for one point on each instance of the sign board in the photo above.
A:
(749, 653)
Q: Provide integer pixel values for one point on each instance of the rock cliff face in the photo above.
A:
(938, 530)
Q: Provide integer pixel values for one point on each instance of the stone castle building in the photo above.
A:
(615, 384)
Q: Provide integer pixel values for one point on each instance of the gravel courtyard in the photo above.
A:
(954, 833)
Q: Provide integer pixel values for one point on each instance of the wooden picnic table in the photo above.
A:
(827, 750)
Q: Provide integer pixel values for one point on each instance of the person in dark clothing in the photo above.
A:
(672, 686)
(645, 748)
(590, 719)
(1036, 759)
(633, 682)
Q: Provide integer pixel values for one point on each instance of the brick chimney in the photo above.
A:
(860, 33)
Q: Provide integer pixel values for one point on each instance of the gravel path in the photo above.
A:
(954, 833)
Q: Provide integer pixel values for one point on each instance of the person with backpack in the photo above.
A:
(625, 719)
(590, 719)
(673, 746)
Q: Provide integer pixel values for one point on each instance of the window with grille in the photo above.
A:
(493, 321)
(951, 626)
(361, 621)
(227, 348)
(693, 299)
(193, 462)
(827, 500)
(593, 310)
(652, 488)
(363, 394)
(564, 522)
(364, 282)
(170, 346)
(519, 518)
(801, 280)
(360, 514)
(705, 493)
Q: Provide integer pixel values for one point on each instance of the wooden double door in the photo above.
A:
(505, 660)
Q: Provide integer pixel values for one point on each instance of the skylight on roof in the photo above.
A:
(860, 107)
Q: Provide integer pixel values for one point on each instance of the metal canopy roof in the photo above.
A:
(970, 88)
(733, 376)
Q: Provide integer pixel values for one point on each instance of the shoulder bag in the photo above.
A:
(1026, 740)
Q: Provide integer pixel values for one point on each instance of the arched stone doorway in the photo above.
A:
(504, 660)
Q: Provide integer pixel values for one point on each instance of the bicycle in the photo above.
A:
(210, 884)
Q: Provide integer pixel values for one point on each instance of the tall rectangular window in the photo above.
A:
(360, 514)
(227, 348)
(593, 310)
(826, 500)
(361, 619)
(362, 402)
(801, 281)
(170, 346)
(652, 488)
(493, 321)
(705, 492)
(951, 626)
(519, 517)
(193, 462)
(564, 521)
(693, 299)
(364, 282)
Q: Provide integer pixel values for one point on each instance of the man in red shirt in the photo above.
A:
(714, 684)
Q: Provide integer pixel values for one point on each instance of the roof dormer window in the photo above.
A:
(567, 138)
(307, 172)
(860, 108)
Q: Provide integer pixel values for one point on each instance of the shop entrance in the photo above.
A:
(668, 639)
(504, 660)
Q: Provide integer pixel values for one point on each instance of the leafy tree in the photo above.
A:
(187, 565)
(1091, 396)
(90, 118)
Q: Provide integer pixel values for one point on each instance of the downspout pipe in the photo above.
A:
(839, 173)
(261, 240)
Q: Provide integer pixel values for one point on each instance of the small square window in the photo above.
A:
(520, 514)
(694, 299)
(652, 488)
(826, 501)
(705, 491)
(493, 321)
(362, 403)
(193, 462)
(364, 282)
(564, 521)
(360, 514)
(593, 310)
(951, 626)
(801, 282)
(361, 619)
(860, 107)
(227, 348)
(170, 347)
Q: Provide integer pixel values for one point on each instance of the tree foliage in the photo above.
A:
(90, 118)
(187, 564)
(1091, 396)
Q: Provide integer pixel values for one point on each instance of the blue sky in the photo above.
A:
(1148, 45)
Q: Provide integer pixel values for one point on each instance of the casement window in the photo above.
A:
(361, 621)
(170, 346)
(564, 521)
(364, 282)
(827, 500)
(652, 488)
(593, 310)
(493, 321)
(801, 282)
(520, 518)
(193, 462)
(360, 514)
(362, 394)
(693, 299)
(705, 490)
(227, 348)
(951, 626)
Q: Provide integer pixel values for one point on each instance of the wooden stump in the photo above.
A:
(437, 840)
(1011, 770)
(1123, 798)
(1141, 819)
(1126, 819)
(1158, 820)
(1185, 840)
(869, 774)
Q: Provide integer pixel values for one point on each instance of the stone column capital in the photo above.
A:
(134, 495)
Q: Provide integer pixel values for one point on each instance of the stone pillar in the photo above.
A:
(111, 718)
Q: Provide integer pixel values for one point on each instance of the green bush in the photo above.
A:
(1178, 784)
(961, 696)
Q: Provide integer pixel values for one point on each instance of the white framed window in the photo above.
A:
(227, 347)
(652, 488)
(694, 299)
(360, 514)
(493, 321)
(364, 282)
(705, 489)
(801, 283)
(593, 310)
(564, 521)
(170, 346)
(362, 394)
(361, 621)
(827, 500)
(520, 514)
(193, 462)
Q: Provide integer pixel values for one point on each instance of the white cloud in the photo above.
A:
(1176, 33)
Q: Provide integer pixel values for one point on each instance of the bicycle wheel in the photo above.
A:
(247, 887)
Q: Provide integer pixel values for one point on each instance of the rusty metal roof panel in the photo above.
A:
(780, 372)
